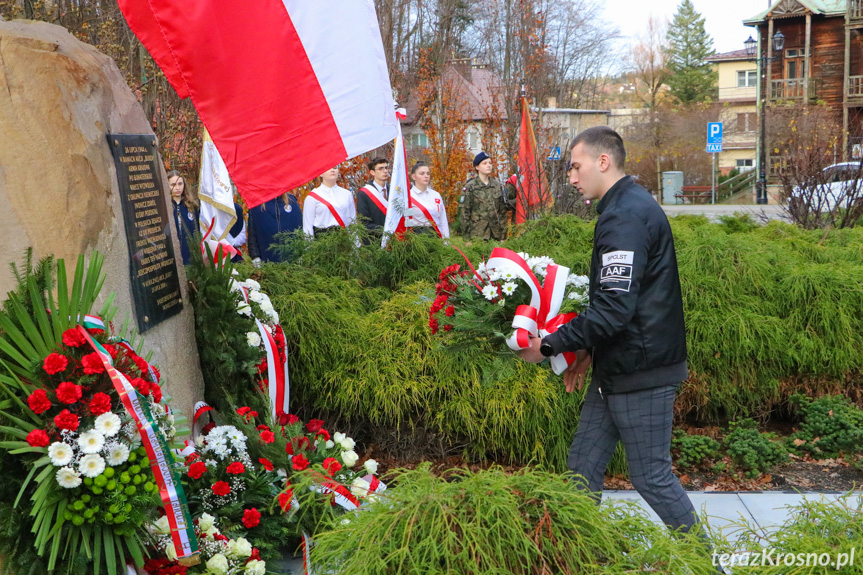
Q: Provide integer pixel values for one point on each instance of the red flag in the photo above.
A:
(532, 188)
(286, 88)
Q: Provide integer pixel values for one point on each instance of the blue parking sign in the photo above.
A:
(714, 132)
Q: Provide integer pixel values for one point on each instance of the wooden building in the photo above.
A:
(821, 60)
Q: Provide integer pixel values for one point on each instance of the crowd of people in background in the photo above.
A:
(484, 209)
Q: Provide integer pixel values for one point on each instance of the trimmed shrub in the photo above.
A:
(490, 522)
(831, 426)
(693, 450)
(752, 451)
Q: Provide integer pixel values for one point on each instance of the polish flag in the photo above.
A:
(532, 186)
(286, 88)
(399, 210)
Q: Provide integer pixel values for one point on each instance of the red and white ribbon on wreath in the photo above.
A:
(199, 421)
(540, 318)
(161, 460)
(279, 383)
(221, 251)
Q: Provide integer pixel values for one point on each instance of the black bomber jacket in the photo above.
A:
(634, 324)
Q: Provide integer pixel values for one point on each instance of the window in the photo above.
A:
(745, 165)
(747, 78)
(746, 122)
(418, 141)
(472, 140)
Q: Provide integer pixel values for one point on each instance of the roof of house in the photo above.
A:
(478, 90)
(733, 56)
(824, 7)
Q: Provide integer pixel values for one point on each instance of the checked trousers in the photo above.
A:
(642, 420)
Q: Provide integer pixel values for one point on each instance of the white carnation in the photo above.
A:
(350, 458)
(92, 441)
(91, 465)
(267, 308)
(256, 296)
(252, 284)
(60, 453)
(108, 424)
(244, 309)
(371, 466)
(68, 478)
(253, 339)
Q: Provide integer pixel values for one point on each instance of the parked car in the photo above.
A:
(839, 185)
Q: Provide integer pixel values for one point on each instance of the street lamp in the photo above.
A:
(751, 48)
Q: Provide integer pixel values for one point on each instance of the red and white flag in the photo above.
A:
(531, 185)
(399, 216)
(286, 88)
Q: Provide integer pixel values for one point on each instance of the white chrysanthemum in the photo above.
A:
(244, 309)
(118, 454)
(524, 255)
(350, 458)
(532, 262)
(508, 276)
(253, 339)
(509, 288)
(347, 443)
(91, 465)
(92, 441)
(108, 424)
(256, 296)
(252, 284)
(493, 275)
(68, 478)
(60, 453)
(371, 466)
(489, 292)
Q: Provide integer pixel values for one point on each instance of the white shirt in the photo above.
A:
(432, 202)
(317, 215)
(378, 191)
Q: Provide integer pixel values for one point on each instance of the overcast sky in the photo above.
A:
(723, 18)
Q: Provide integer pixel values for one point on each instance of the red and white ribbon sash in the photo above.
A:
(540, 318)
(330, 207)
(161, 461)
(279, 381)
(429, 217)
(373, 197)
(307, 558)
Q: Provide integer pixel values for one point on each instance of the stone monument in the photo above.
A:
(59, 190)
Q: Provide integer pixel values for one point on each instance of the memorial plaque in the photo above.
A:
(155, 284)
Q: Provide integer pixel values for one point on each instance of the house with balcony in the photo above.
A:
(820, 60)
(737, 81)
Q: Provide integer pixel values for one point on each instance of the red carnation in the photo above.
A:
(208, 428)
(243, 410)
(236, 468)
(101, 403)
(262, 367)
(332, 465)
(73, 338)
(267, 436)
(142, 385)
(140, 363)
(221, 488)
(256, 555)
(314, 425)
(324, 434)
(449, 311)
(39, 402)
(302, 442)
(289, 448)
(433, 325)
(66, 420)
(268, 465)
(251, 517)
(156, 392)
(92, 364)
(54, 363)
(262, 427)
(157, 373)
(112, 351)
(220, 537)
(38, 438)
(288, 419)
(68, 393)
(197, 469)
(447, 327)
(299, 462)
(285, 498)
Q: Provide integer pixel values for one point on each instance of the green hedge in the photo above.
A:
(770, 310)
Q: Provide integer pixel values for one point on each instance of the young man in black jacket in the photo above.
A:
(633, 332)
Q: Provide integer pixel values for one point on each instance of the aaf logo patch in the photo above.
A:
(616, 272)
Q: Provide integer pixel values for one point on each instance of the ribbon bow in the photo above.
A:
(540, 318)
(221, 251)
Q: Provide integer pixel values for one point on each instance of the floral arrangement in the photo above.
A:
(91, 485)
(219, 554)
(479, 304)
(270, 483)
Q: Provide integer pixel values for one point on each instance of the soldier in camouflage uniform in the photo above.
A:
(485, 204)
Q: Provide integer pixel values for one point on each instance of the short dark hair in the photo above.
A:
(376, 162)
(602, 140)
(417, 166)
